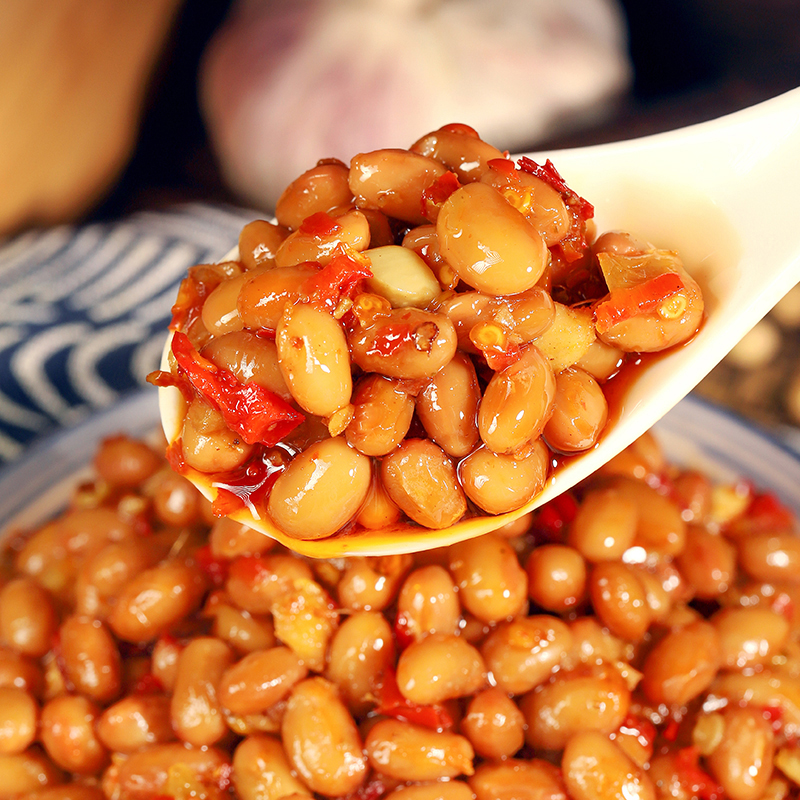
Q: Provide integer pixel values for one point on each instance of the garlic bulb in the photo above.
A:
(284, 84)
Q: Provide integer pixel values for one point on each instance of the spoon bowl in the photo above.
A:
(723, 195)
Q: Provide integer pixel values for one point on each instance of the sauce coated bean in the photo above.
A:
(422, 480)
(517, 403)
(320, 490)
(321, 740)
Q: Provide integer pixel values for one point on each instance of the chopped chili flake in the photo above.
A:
(553, 518)
(214, 567)
(694, 778)
(319, 224)
(392, 704)
(248, 486)
(505, 167)
(434, 195)
(255, 413)
(337, 279)
(148, 684)
(401, 630)
(629, 302)
(766, 512)
(391, 338)
(550, 175)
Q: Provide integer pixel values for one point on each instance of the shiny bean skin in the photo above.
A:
(392, 181)
(321, 740)
(155, 600)
(660, 526)
(708, 562)
(742, 761)
(27, 617)
(265, 294)
(135, 722)
(103, 575)
(682, 664)
(434, 790)
(771, 557)
(243, 631)
(491, 583)
(378, 509)
(428, 603)
(596, 700)
(750, 637)
(604, 526)
(525, 652)
(21, 774)
(220, 312)
(371, 584)
(619, 599)
(68, 734)
(517, 403)
(580, 411)
(255, 583)
(465, 310)
(321, 188)
(261, 771)
(207, 444)
(556, 577)
(404, 343)
(20, 672)
(382, 415)
(413, 753)
(175, 500)
(494, 724)
(19, 718)
(313, 359)
(464, 154)
(448, 407)
(249, 358)
(259, 241)
(351, 230)
(595, 768)
(321, 490)
(146, 773)
(123, 461)
(518, 779)
(260, 680)
(422, 480)
(492, 247)
(195, 709)
(90, 658)
(439, 667)
(228, 539)
(527, 315)
(360, 651)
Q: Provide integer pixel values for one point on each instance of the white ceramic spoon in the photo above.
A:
(725, 195)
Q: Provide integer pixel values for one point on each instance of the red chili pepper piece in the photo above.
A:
(393, 704)
(148, 684)
(216, 568)
(505, 166)
(624, 304)
(434, 195)
(391, 338)
(552, 518)
(319, 224)
(250, 410)
(766, 512)
(401, 633)
(337, 279)
(188, 304)
(550, 175)
(699, 782)
(247, 486)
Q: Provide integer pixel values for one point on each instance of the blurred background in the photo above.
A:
(116, 113)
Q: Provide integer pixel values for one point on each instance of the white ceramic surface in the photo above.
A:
(694, 433)
(723, 195)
